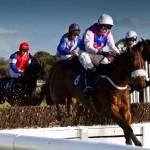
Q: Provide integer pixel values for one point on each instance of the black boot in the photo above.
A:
(88, 81)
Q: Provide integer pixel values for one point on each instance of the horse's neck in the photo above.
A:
(117, 74)
(30, 83)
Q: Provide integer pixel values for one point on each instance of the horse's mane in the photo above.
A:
(54, 66)
(136, 46)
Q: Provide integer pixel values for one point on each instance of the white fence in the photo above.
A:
(22, 142)
(103, 134)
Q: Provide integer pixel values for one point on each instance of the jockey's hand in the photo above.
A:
(111, 53)
(74, 53)
(105, 54)
(20, 74)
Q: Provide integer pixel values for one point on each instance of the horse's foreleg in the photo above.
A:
(125, 125)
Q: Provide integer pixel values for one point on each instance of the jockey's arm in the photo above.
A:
(89, 42)
(111, 44)
(62, 47)
(12, 63)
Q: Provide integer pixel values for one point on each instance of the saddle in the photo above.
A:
(79, 79)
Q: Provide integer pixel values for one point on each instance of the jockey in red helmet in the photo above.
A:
(19, 60)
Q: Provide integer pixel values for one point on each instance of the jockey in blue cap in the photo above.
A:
(68, 43)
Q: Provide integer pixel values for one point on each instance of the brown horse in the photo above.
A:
(142, 46)
(111, 95)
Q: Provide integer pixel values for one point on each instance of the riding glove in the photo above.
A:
(105, 54)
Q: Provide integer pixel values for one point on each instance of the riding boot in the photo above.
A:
(88, 91)
(88, 81)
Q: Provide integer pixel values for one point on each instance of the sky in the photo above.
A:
(42, 23)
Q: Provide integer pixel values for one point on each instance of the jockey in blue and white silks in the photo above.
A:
(19, 61)
(68, 43)
(95, 38)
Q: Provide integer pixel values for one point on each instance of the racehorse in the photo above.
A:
(26, 94)
(142, 46)
(111, 94)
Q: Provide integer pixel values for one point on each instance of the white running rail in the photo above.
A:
(23, 142)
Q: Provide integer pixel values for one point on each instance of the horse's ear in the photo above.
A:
(143, 40)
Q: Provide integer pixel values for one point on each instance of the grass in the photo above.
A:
(6, 104)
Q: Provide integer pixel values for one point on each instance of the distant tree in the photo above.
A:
(2, 61)
(4, 66)
(47, 58)
(3, 72)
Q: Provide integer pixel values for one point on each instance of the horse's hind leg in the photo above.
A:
(59, 115)
(68, 105)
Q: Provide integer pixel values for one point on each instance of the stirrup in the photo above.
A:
(88, 90)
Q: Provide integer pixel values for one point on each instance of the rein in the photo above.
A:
(113, 84)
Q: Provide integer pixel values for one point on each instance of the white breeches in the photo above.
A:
(13, 74)
(87, 60)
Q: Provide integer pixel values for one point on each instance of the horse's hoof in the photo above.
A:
(59, 117)
(68, 115)
(138, 144)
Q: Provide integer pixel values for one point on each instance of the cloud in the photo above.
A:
(133, 21)
(8, 31)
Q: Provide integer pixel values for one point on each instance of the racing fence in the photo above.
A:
(143, 96)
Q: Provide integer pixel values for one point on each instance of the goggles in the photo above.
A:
(132, 39)
(24, 50)
(75, 34)
(106, 27)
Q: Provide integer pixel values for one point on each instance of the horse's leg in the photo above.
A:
(68, 105)
(42, 93)
(59, 112)
(125, 125)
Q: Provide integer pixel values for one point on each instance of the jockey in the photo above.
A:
(95, 38)
(128, 41)
(19, 61)
(68, 43)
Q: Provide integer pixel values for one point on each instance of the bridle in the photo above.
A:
(130, 74)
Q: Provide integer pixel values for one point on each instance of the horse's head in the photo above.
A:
(130, 65)
(144, 48)
(36, 69)
(137, 73)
